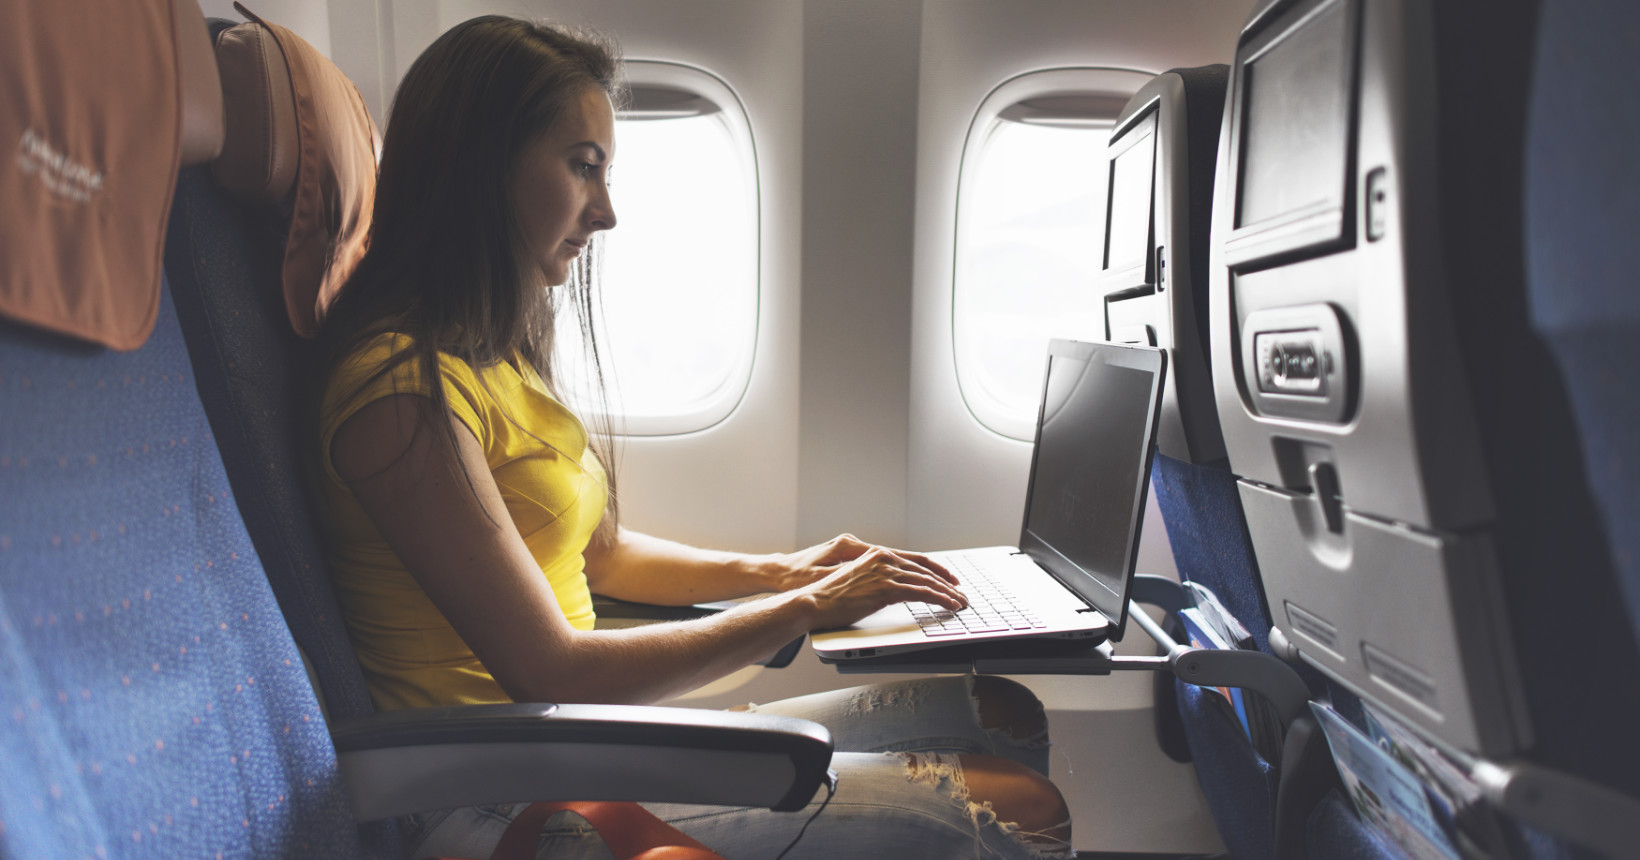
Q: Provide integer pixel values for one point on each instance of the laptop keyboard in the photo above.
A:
(990, 609)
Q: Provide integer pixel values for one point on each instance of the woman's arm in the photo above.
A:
(648, 569)
(439, 509)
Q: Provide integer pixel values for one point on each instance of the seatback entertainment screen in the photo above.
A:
(1296, 94)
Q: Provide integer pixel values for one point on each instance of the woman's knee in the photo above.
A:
(1019, 796)
(1010, 707)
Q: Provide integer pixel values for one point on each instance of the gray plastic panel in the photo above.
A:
(1406, 448)
(1402, 616)
(1189, 428)
(1389, 587)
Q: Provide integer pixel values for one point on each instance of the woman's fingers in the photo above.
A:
(821, 560)
(916, 581)
(925, 564)
(841, 549)
(918, 593)
(824, 558)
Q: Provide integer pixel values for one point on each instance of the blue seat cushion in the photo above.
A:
(1240, 785)
(152, 703)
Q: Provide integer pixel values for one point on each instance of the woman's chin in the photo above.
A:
(554, 276)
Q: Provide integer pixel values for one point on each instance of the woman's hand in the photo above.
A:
(811, 565)
(874, 579)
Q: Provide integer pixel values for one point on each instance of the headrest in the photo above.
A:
(299, 139)
(89, 152)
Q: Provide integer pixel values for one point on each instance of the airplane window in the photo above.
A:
(1025, 263)
(1030, 217)
(677, 305)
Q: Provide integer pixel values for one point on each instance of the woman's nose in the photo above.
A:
(602, 211)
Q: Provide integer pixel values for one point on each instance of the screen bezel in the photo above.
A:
(1111, 604)
(1139, 130)
(1321, 227)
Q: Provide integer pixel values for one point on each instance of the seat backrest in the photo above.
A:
(1582, 211)
(1173, 126)
(237, 283)
(1408, 465)
(241, 296)
(1168, 134)
(1162, 153)
(154, 703)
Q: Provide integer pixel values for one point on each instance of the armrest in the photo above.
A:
(1587, 813)
(419, 760)
(1159, 591)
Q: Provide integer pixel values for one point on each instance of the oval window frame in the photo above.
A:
(664, 89)
(1077, 96)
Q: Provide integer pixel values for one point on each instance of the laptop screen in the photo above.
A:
(1091, 468)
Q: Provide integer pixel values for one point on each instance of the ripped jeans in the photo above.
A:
(900, 790)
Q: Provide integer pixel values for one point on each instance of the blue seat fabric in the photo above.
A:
(1209, 539)
(1582, 212)
(223, 263)
(1532, 168)
(153, 702)
(1211, 546)
(1239, 784)
(1335, 825)
(224, 267)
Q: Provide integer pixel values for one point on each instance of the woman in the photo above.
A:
(468, 522)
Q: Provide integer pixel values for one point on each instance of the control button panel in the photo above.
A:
(1292, 362)
(1296, 363)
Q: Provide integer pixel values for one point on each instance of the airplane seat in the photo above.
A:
(1160, 298)
(1581, 196)
(1542, 343)
(1175, 117)
(243, 298)
(1580, 500)
(153, 703)
(1407, 461)
(156, 705)
(1334, 827)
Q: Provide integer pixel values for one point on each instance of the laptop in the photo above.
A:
(1070, 575)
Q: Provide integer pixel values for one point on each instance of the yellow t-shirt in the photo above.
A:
(555, 493)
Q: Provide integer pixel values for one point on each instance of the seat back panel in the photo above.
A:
(156, 703)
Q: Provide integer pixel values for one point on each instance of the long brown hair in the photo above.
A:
(447, 263)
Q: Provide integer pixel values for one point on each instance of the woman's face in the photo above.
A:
(561, 187)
